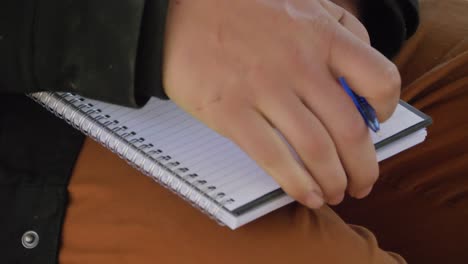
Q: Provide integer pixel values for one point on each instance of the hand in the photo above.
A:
(248, 69)
(352, 6)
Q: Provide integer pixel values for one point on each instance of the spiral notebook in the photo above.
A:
(196, 163)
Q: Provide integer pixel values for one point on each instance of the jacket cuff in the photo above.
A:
(88, 47)
(149, 77)
(390, 23)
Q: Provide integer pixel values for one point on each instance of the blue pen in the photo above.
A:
(366, 110)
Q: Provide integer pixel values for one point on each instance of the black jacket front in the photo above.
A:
(106, 50)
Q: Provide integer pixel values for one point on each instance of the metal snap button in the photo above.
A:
(30, 239)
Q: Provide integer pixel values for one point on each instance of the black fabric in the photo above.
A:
(16, 32)
(89, 47)
(37, 155)
(108, 50)
(84, 46)
(389, 23)
(149, 59)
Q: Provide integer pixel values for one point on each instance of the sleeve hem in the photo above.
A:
(88, 47)
(149, 77)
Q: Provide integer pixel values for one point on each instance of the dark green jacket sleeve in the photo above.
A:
(390, 23)
(93, 48)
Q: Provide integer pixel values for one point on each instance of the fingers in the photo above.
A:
(252, 132)
(368, 72)
(309, 139)
(337, 112)
(352, 6)
(347, 20)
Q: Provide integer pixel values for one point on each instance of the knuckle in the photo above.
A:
(337, 188)
(297, 193)
(319, 21)
(316, 148)
(370, 176)
(266, 156)
(392, 82)
(374, 173)
(365, 35)
(362, 32)
(267, 159)
(353, 129)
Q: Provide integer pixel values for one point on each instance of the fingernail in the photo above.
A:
(336, 200)
(314, 200)
(363, 193)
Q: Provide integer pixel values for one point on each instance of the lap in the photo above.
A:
(419, 207)
(117, 215)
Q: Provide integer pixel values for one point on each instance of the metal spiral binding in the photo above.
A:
(142, 156)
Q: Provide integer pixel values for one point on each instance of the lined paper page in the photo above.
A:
(401, 119)
(214, 158)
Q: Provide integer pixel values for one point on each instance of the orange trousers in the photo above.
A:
(419, 207)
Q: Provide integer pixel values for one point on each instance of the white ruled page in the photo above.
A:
(212, 157)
